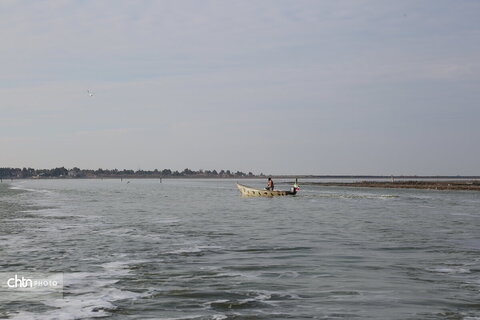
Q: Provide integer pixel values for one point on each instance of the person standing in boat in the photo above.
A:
(269, 184)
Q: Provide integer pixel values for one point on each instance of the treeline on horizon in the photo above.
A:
(88, 173)
(62, 172)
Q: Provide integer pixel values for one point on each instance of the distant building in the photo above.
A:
(75, 173)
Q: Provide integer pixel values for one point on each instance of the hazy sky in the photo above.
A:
(294, 87)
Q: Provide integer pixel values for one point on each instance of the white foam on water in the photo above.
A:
(92, 305)
(88, 294)
(263, 296)
(86, 283)
(452, 270)
(19, 186)
(29, 189)
(266, 295)
(119, 268)
(193, 249)
(254, 296)
(48, 212)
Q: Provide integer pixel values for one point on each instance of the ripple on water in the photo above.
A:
(196, 250)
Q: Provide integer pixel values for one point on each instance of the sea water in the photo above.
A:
(196, 249)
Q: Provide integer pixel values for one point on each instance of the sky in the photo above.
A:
(273, 86)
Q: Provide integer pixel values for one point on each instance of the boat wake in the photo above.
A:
(349, 195)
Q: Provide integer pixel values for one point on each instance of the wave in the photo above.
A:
(450, 270)
(88, 294)
(19, 187)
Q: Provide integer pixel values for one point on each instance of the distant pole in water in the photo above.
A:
(160, 180)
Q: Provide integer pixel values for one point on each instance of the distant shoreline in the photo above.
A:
(77, 173)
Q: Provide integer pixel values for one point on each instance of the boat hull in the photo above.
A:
(249, 191)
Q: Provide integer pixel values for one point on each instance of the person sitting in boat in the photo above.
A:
(295, 188)
(269, 184)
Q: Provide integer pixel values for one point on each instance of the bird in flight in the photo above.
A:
(90, 93)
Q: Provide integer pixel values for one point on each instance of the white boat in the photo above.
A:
(249, 191)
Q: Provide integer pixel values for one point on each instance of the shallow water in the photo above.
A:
(196, 249)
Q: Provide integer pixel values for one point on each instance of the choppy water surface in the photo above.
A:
(195, 249)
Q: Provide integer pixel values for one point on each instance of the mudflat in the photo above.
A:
(435, 185)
